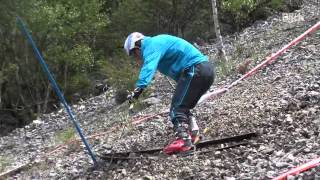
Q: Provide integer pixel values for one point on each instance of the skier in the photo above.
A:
(178, 59)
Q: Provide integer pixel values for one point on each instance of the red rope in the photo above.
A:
(299, 169)
(262, 64)
(145, 118)
(277, 54)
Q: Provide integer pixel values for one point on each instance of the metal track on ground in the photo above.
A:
(202, 144)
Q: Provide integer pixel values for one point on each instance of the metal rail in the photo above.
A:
(202, 144)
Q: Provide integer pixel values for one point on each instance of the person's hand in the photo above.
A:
(134, 94)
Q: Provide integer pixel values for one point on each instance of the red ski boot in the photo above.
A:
(177, 146)
(181, 144)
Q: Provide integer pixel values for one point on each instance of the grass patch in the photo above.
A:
(68, 135)
(4, 162)
(65, 135)
(223, 68)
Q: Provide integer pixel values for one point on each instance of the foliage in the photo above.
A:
(246, 11)
(151, 17)
(72, 27)
(65, 32)
(122, 74)
(276, 3)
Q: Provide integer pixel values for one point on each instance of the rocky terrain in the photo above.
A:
(280, 102)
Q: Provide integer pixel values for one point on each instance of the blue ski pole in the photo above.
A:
(56, 88)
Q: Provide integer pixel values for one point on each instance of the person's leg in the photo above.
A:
(193, 83)
(201, 82)
(179, 113)
(203, 79)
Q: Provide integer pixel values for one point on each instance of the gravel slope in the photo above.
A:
(280, 102)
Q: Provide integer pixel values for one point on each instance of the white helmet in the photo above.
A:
(129, 44)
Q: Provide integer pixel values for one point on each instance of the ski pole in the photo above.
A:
(56, 88)
(131, 106)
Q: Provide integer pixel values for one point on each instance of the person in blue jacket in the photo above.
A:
(181, 61)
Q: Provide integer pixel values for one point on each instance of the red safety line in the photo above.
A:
(139, 120)
(268, 60)
(212, 95)
(299, 169)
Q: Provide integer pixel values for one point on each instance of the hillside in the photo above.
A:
(281, 102)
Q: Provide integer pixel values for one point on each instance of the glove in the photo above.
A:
(135, 94)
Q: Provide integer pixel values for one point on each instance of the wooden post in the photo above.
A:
(217, 29)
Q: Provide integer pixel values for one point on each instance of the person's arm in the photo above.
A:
(146, 74)
(148, 69)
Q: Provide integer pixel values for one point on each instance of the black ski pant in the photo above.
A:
(194, 81)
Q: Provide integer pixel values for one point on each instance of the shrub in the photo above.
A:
(244, 12)
(122, 74)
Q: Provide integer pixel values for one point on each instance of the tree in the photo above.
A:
(217, 29)
(177, 17)
(66, 33)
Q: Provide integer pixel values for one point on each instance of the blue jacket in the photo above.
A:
(169, 54)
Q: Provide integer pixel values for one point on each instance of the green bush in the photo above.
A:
(243, 12)
(79, 83)
(121, 74)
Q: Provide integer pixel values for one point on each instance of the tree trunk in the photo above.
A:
(173, 21)
(16, 47)
(38, 97)
(20, 93)
(65, 73)
(2, 84)
(217, 29)
(0, 95)
(46, 100)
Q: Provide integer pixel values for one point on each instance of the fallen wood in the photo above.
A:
(11, 172)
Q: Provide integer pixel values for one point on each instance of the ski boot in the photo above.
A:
(182, 143)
